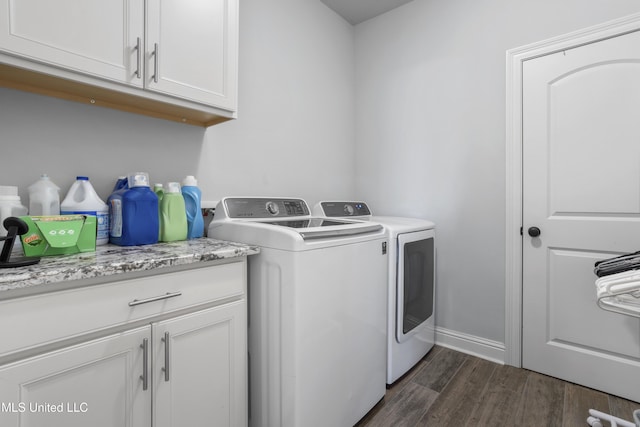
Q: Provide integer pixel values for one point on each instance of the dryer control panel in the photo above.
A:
(345, 209)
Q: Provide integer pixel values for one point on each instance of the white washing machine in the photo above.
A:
(317, 311)
(411, 283)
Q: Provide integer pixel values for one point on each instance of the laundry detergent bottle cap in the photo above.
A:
(9, 193)
(138, 179)
(190, 180)
(83, 199)
(193, 200)
(173, 187)
(44, 197)
(121, 183)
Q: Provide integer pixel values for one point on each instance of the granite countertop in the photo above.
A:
(109, 260)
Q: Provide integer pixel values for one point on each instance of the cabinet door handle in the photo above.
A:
(156, 298)
(138, 73)
(166, 356)
(155, 63)
(145, 364)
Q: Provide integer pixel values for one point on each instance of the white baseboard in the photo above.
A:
(483, 348)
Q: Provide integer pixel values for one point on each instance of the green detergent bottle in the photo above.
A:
(159, 190)
(173, 214)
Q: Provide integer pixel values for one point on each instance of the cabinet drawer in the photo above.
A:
(38, 320)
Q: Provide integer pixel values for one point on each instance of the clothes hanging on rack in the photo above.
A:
(618, 264)
(620, 292)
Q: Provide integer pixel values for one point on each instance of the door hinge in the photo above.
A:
(384, 248)
(521, 231)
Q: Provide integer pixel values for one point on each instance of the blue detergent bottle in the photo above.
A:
(134, 213)
(193, 200)
(121, 183)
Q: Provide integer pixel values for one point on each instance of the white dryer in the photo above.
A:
(317, 311)
(411, 283)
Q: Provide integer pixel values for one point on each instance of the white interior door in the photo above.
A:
(581, 188)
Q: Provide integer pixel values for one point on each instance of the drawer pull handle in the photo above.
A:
(152, 299)
(145, 364)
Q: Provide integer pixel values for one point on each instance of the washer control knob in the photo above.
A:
(272, 208)
(348, 210)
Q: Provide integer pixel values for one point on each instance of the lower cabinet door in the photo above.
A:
(200, 368)
(99, 383)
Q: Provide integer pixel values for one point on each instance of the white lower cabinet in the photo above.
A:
(186, 367)
(200, 363)
(92, 384)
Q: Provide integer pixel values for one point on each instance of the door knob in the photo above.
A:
(534, 231)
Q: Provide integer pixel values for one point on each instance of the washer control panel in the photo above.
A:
(258, 207)
(344, 209)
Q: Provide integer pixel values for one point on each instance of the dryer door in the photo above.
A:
(415, 283)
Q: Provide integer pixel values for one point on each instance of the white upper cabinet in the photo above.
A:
(95, 37)
(192, 50)
(166, 58)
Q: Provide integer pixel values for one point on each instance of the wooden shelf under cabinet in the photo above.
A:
(44, 84)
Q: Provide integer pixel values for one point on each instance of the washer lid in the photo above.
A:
(318, 228)
(285, 216)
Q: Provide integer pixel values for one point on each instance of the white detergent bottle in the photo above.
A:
(82, 199)
(44, 197)
(10, 205)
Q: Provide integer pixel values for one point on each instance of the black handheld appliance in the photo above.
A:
(15, 227)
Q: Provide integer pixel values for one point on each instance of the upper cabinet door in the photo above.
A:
(192, 50)
(95, 37)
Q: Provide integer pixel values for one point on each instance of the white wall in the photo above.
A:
(430, 103)
(64, 139)
(296, 128)
(430, 124)
(294, 135)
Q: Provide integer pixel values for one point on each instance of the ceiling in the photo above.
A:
(357, 11)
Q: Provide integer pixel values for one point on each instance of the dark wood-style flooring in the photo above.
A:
(449, 388)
